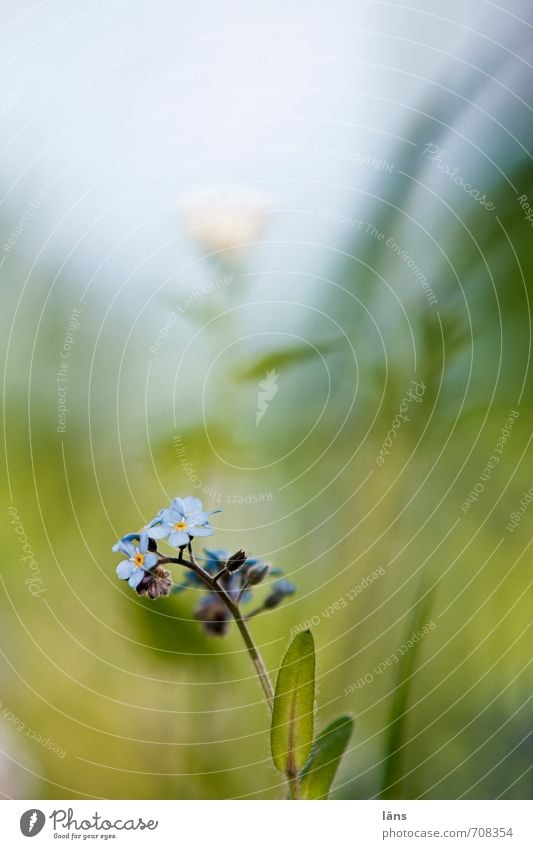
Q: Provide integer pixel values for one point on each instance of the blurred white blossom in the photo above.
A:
(226, 220)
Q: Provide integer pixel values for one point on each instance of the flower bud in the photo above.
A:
(257, 573)
(280, 590)
(236, 561)
(214, 615)
(155, 583)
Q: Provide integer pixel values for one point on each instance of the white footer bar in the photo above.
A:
(268, 825)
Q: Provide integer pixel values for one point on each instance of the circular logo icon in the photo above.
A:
(32, 822)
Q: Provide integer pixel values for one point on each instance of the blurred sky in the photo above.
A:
(128, 107)
(113, 114)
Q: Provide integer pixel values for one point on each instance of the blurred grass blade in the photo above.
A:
(286, 357)
(292, 716)
(318, 774)
(392, 774)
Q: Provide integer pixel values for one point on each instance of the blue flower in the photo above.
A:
(251, 573)
(127, 538)
(213, 614)
(139, 559)
(155, 529)
(214, 560)
(280, 590)
(183, 520)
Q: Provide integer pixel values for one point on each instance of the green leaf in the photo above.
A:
(285, 358)
(319, 772)
(292, 716)
(399, 703)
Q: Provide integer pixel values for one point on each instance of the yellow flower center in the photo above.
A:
(138, 560)
(181, 526)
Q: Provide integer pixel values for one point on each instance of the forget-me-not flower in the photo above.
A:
(140, 560)
(183, 520)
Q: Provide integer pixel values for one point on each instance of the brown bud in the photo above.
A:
(280, 590)
(155, 583)
(214, 615)
(257, 573)
(236, 560)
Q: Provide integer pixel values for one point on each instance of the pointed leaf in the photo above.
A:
(292, 716)
(285, 358)
(319, 772)
(399, 703)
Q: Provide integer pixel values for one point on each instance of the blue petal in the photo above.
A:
(198, 517)
(150, 559)
(252, 561)
(136, 578)
(200, 531)
(158, 531)
(188, 581)
(124, 569)
(178, 538)
(127, 548)
(192, 580)
(124, 543)
(214, 558)
(191, 504)
(178, 505)
(143, 542)
(285, 587)
(170, 517)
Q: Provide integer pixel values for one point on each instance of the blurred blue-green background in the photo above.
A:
(193, 198)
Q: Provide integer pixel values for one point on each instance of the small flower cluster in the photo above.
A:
(228, 579)
(238, 575)
(184, 520)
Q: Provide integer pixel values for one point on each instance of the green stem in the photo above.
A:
(255, 612)
(218, 576)
(294, 785)
(255, 655)
(253, 651)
